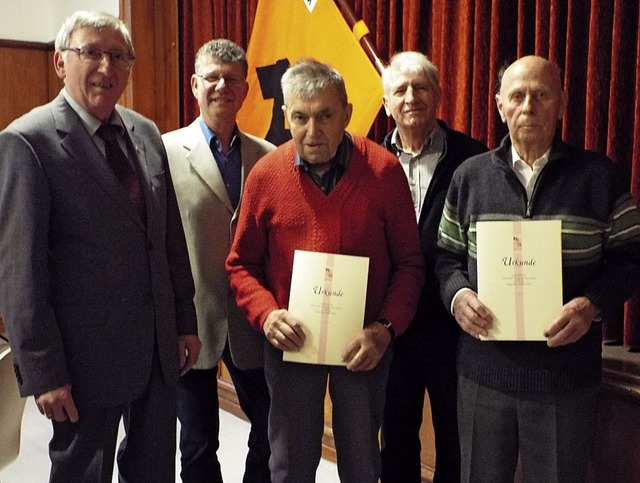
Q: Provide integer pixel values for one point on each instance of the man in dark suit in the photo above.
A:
(95, 285)
(424, 357)
(209, 160)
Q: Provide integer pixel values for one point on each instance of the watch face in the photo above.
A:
(387, 325)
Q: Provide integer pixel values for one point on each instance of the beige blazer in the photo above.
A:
(209, 223)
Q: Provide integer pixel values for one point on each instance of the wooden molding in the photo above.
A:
(615, 454)
(621, 374)
(25, 45)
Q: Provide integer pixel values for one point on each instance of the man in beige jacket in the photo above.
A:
(209, 161)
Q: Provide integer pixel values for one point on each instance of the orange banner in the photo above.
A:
(285, 31)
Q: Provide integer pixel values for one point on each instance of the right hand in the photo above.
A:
(283, 331)
(471, 314)
(365, 351)
(58, 404)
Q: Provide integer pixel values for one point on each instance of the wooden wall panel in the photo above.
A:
(428, 453)
(615, 457)
(27, 78)
(154, 89)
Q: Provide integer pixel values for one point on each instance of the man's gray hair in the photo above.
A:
(307, 78)
(93, 20)
(223, 51)
(410, 63)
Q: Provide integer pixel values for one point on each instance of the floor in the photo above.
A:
(32, 465)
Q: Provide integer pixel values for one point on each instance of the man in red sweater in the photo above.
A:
(325, 191)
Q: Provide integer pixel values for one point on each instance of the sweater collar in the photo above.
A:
(558, 149)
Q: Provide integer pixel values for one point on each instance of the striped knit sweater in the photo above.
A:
(369, 213)
(600, 256)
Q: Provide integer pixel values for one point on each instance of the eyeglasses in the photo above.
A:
(213, 79)
(122, 60)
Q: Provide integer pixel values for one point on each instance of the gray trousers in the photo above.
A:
(296, 418)
(551, 431)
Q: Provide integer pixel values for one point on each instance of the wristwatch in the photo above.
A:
(387, 325)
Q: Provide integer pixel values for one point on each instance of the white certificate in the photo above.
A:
(520, 276)
(328, 296)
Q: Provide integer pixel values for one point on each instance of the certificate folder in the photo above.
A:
(520, 276)
(328, 296)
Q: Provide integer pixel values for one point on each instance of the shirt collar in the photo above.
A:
(91, 123)
(341, 159)
(209, 134)
(540, 162)
(432, 139)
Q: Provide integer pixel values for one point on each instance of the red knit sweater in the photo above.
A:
(368, 213)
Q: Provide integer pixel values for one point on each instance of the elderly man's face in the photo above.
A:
(317, 125)
(95, 85)
(531, 101)
(412, 101)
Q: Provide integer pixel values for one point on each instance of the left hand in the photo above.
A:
(572, 323)
(365, 351)
(188, 350)
(58, 404)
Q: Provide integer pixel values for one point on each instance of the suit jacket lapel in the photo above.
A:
(76, 141)
(250, 154)
(199, 156)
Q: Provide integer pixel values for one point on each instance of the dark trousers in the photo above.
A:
(296, 421)
(85, 451)
(409, 375)
(552, 432)
(198, 412)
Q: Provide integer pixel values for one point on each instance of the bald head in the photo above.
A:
(531, 101)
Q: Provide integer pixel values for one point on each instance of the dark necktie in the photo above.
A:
(121, 167)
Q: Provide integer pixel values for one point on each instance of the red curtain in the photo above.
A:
(595, 43)
(201, 21)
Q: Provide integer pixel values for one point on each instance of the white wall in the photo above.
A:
(39, 20)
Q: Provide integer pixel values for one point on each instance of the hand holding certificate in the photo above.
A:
(520, 276)
(328, 295)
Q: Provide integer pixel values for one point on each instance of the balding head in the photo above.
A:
(531, 101)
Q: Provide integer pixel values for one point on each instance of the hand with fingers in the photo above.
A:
(366, 350)
(471, 314)
(283, 331)
(58, 404)
(573, 322)
(188, 350)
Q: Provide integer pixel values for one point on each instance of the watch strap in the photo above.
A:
(387, 325)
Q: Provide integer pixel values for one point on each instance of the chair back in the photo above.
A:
(11, 408)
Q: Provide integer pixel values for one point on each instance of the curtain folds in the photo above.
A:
(594, 42)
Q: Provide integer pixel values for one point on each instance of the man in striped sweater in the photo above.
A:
(536, 398)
